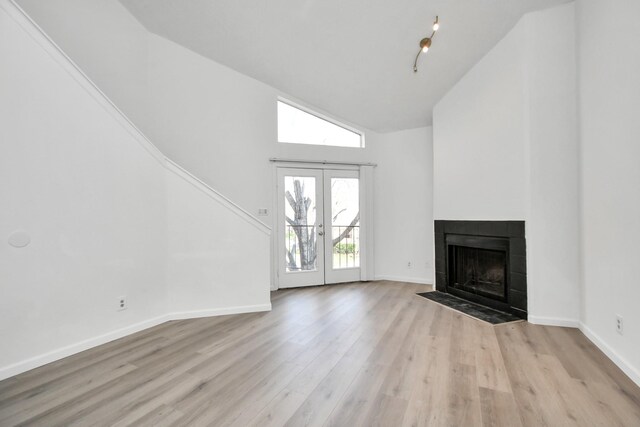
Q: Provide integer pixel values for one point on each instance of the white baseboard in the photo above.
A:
(405, 279)
(181, 315)
(60, 353)
(620, 361)
(554, 321)
(69, 350)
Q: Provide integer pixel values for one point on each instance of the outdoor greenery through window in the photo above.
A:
(296, 126)
(345, 222)
(301, 222)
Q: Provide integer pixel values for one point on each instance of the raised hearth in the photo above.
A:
(483, 262)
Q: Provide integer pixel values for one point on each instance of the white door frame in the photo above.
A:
(290, 279)
(366, 215)
(333, 275)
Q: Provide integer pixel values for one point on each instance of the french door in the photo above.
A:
(318, 226)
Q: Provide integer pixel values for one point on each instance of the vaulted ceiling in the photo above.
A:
(352, 58)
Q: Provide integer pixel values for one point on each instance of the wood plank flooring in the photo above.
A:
(371, 354)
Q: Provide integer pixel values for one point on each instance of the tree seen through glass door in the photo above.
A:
(301, 223)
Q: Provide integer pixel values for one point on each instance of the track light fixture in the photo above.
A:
(425, 43)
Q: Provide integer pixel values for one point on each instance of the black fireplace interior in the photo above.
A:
(483, 262)
(479, 271)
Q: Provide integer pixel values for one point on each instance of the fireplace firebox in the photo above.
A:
(483, 262)
(477, 267)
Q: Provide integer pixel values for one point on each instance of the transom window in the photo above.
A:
(298, 126)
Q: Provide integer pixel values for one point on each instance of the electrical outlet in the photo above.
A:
(619, 324)
(409, 264)
(122, 303)
(263, 212)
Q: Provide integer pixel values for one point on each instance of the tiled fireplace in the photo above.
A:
(483, 262)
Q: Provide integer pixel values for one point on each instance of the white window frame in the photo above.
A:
(321, 117)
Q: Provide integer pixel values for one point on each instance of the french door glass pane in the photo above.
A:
(345, 223)
(301, 249)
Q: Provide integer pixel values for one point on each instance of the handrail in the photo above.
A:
(57, 54)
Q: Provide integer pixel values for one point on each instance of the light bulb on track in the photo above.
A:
(425, 43)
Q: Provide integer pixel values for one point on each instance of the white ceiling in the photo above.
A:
(352, 58)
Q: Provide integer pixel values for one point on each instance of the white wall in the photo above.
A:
(222, 125)
(112, 48)
(107, 214)
(217, 123)
(218, 258)
(553, 262)
(479, 151)
(92, 199)
(608, 61)
(403, 210)
(505, 148)
(92, 195)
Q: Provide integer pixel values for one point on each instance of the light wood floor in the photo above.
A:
(344, 355)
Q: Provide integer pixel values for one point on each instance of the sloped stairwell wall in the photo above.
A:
(107, 216)
(209, 238)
